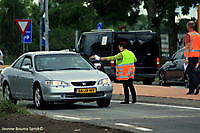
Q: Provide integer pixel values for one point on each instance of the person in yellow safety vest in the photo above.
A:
(125, 69)
(192, 56)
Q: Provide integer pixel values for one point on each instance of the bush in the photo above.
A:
(7, 107)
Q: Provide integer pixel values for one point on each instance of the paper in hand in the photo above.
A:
(96, 57)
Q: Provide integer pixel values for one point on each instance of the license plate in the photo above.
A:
(86, 90)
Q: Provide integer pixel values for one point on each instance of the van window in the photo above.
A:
(143, 45)
(82, 43)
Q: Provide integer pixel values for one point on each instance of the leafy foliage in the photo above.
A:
(115, 11)
(10, 36)
(7, 107)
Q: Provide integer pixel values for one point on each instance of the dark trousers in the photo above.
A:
(192, 74)
(129, 84)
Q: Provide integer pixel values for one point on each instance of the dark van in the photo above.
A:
(104, 43)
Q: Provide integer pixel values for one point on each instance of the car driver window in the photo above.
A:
(27, 61)
(178, 55)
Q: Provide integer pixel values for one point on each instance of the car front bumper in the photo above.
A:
(53, 95)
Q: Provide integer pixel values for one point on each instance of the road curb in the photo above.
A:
(163, 100)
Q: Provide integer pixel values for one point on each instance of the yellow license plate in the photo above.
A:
(86, 90)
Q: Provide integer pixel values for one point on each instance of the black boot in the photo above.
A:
(190, 92)
(197, 91)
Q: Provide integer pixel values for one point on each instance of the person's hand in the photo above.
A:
(91, 57)
(186, 61)
(102, 58)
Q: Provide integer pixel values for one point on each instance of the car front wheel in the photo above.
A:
(38, 98)
(7, 94)
(162, 78)
(103, 102)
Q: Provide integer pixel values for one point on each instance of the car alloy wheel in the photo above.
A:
(38, 99)
(7, 94)
(162, 78)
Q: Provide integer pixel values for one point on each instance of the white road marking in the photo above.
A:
(163, 105)
(135, 127)
(75, 118)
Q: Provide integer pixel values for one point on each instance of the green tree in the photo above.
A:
(171, 14)
(65, 18)
(159, 10)
(115, 12)
(9, 34)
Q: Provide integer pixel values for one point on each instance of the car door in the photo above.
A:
(175, 70)
(25, 79)
(12, 77)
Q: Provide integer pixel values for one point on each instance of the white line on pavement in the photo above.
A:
(135, 127)
(75, 118)
(163, 105)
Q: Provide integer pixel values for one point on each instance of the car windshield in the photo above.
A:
(61, 62)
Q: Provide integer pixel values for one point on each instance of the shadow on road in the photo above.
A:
(64, 106)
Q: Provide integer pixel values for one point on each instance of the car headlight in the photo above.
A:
(104, 82)
(56, 83)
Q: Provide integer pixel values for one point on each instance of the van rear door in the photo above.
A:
(145, 47)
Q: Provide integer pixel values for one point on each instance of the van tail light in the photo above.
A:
(112, 63)
(158, 62)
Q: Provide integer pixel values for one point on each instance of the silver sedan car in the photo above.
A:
(55, 76)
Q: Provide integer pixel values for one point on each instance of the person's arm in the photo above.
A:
(115, 57)
(187, 46)
(135, 59)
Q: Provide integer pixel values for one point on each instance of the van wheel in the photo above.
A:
(38, 98)
(103, 102)
(7, 94)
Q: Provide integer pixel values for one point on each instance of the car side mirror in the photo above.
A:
(27, 68)
(98, 66)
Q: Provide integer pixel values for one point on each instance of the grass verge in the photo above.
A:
(7, 107)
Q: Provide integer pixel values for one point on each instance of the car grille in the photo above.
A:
(86, 83)
(98, 94)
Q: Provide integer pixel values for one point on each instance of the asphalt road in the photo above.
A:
(137, 118)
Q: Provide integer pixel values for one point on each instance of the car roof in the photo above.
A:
(50, 52)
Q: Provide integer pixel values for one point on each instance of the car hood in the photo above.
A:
(74, 75)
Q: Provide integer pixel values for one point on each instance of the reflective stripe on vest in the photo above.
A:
(194, 44)
(125, 71)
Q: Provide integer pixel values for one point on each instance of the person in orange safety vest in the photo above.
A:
(125, 69)
(192, 56)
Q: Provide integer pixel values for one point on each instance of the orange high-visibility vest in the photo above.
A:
(125, 71)
(194, 44)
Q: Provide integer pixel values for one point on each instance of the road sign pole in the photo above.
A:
(46, 34)
(44, 26)
(23, 47)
